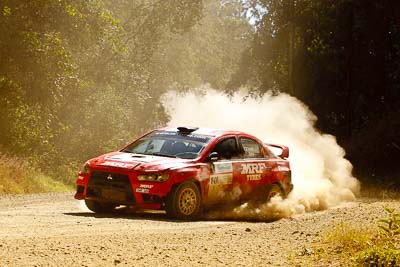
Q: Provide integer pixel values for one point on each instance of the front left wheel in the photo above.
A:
(99, 207)
(184, 201)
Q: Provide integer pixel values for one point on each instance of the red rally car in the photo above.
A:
(184, 170)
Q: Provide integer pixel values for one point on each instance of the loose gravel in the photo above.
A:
(54, 230)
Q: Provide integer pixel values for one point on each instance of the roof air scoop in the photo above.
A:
(187, 130)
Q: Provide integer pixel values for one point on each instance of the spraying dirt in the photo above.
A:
(322, 177)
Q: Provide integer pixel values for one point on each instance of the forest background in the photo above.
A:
(79, 78)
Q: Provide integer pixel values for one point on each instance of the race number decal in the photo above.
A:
(221, 179)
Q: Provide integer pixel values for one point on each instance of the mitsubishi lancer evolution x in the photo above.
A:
(185, 170)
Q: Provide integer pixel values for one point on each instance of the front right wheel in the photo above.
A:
(184, 201)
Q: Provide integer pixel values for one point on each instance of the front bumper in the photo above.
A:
(122, 189)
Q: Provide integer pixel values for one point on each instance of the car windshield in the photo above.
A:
(170, 144)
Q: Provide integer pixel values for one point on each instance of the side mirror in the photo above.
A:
(213, 157)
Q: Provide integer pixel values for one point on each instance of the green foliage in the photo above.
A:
(17, 176)
(362, 245)
(349, 238)
(386, 251)
(378, 257)
(208, 52)
(390, 227)
(79, 78)
(6, 11)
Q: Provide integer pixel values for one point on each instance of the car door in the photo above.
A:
(255, 167)
(222, 180)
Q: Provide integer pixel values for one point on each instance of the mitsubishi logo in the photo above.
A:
(109, 177)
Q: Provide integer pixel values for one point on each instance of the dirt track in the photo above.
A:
(54, 229)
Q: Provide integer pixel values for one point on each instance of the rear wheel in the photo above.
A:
(184, 201)
(273, 190)
(99, 207)
(264, 194)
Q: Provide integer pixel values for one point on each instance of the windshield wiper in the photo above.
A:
(162, 155)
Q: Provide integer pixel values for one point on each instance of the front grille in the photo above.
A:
(152, 199)
(110, 186)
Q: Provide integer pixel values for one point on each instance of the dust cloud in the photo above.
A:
(322, 177)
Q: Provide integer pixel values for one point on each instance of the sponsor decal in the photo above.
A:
(117, 164)
(223, 167)
(253, 177)
(253, 168)
(253, 171)
(142, 190)
(283, 168)
(221, 179)
(133, 159)
(149, 186)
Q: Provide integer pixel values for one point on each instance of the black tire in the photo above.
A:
(99, 207)
(273, 190)
(264, 194)
(184, 201)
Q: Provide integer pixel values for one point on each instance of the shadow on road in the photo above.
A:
(156, 215)
(125, 214)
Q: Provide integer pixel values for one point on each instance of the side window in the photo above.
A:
(251, 148)
(227, 148)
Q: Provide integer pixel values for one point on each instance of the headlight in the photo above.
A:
(155, 177)
(85, 169)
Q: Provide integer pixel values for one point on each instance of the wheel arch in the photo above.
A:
(193, 180)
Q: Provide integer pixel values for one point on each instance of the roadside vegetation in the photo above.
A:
(80, 78)
(19, 177)
(368, 245)
(385, 251)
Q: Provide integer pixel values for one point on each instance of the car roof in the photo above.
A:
(206, 131)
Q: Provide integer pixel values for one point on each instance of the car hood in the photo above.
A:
(139, 162)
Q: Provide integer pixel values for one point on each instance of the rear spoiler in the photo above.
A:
(285, 150)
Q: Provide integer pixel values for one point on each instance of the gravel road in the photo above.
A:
(54, 229)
